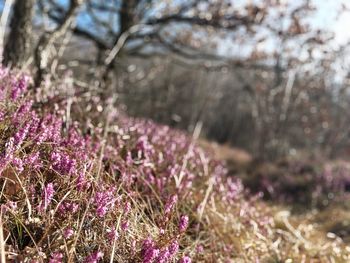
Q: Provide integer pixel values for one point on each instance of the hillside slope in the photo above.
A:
(129, 190)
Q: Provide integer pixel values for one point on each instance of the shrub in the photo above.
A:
(133, 191)
(310, 183)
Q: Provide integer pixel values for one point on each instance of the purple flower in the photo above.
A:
(185, 259)
(63, 163)
(48, 129)
(68, 208)
(56, 257)
(149, 251)
(21, 135)
(183, 224)
(94, 257)
(164, 256)
(10, 147)
(144, 147)
(22, 111)
(81, 181)
(112, 234)
(170, 204)
(19, 87)
(150, 255)
(127, 208)
(68, 233)
(173, 248)
(125, 225)
(32, 160)
(147, 243)
(2, 114)
(18, 164)
(104, 201)
(200, 249)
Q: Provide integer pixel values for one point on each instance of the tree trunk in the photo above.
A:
(18, 47)
(126, 21)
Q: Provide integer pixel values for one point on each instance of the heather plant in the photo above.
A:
(310, 183)
(132, 191)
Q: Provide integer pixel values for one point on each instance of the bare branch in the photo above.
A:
(44, 47)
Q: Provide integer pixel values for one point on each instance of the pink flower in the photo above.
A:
(81, 181)
(164, 256)
(68, 207)
(19, 87)
(127, 208)
(7, 155)
(183, 223)
(112, 234)
(173, 248)
(104, 201)
(200, 249)
(68, 233)
(150, 255)
(149, 251)
(21, 134)
(32, 160)
(63, 163)
(23, 110)
(18, 164)
(125, 225)
(56, 257)
(94, 257)
(185, 259)
(170, 204)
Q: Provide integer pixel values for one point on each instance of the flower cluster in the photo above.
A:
(147, 193)
(104, 201)
(63, 163)
(94, 257)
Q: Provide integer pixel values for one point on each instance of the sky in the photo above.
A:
(328, 17)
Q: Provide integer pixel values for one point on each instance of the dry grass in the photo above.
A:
(110, 196)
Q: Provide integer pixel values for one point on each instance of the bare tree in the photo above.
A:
(18, 48)
(154, 23)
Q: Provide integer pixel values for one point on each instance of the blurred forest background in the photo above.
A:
(266, 76)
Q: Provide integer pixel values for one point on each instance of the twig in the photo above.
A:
(2, 242)
(195, 136)
(121, 42)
